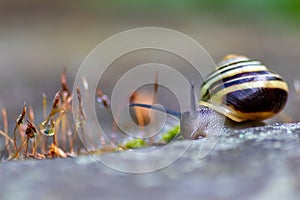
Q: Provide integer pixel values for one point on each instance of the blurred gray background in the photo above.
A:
(38, 39)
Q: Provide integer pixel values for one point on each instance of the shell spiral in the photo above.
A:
(244, 89)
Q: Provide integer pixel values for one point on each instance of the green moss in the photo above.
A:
(168, 136)
(135, 143)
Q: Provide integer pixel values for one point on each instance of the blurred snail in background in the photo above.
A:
(240, 88)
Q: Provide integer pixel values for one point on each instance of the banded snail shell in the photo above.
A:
(244, 89)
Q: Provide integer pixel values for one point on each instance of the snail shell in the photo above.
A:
(244, 89)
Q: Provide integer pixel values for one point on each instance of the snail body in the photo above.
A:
(240, 88)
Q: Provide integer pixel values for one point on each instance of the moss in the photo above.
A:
(168, 136)
(134, 143)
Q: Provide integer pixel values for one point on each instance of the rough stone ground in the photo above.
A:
(250, 163)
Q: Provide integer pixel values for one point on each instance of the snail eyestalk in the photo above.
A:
(194, 105)
(158, 108)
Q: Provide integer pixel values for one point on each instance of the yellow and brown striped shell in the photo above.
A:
(244, 89)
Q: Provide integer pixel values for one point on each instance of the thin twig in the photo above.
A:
(5, 127)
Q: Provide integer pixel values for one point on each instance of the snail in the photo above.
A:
(240, 88)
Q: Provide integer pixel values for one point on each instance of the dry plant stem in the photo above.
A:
(79, 144)
(42, 140)
(138, 112)
(75, 138)
(69, 135)
(18, 150)
(82, 143)
(54, 140)
(21, 130)
(105, 101)
(55, 150)
(113, 136)
(71, 142)
(101, 137)
(38, 144)
(88, 138)
(23, 142)
(82, 120)
(56, 127)
(63, 127)
(88, 100)
(65, 130)
(34, 151)
(84, 139)
(46, 143)
(15, 141)
(5, 127)
(63, 79)
(66, 94)
(48, 126)
(31, 114)
(5, 121)
(34, 144)
(31, 132)
(26, 150)
(55, 101)
(44, 105)
(19, 121)
(8, 139)
(103, 98)
(155, 91)
(62, 124)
